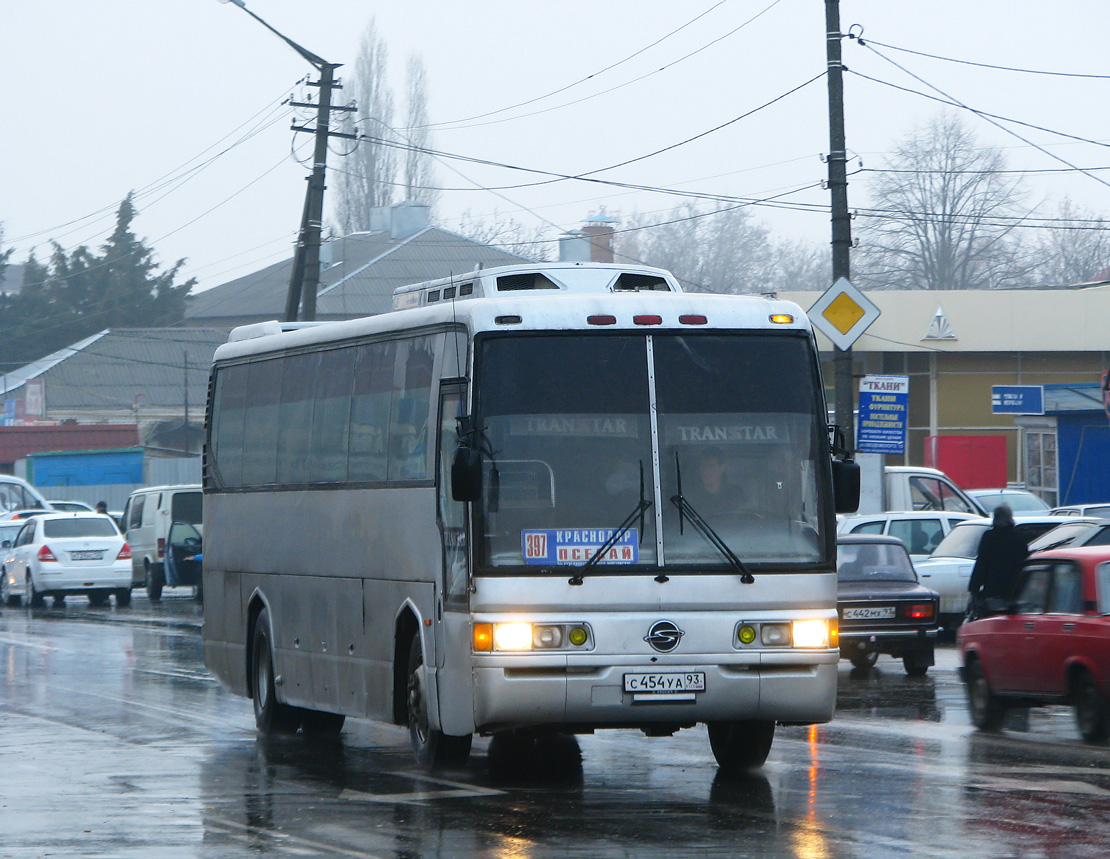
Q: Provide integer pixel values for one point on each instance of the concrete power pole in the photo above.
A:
(305, 278)
(841, 219)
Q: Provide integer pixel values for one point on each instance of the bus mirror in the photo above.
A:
(846, 485)
(466, 474)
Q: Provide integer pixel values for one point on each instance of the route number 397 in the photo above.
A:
(535, 545)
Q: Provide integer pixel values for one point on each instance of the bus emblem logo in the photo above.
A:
(664, 636)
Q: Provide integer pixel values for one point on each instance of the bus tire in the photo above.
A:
(154, 581)
(434, 749)
(270, 715)
(741, 745)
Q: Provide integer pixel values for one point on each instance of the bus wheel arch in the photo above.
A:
(406, 629)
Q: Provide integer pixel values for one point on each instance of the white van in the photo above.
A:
(146, 521)
(18, 494)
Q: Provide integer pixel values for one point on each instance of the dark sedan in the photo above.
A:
(882, 607)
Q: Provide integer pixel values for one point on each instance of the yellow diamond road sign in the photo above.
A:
(843, 313)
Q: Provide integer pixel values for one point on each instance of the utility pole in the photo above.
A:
(841, 220)
(305, 277)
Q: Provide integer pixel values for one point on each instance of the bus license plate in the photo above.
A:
(659, 682)
(885, 611)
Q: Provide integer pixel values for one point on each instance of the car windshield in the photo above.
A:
(869, 562)
(80, 526)
(1062, 535)
(961, 542)
(1020, 502)
(567, 432)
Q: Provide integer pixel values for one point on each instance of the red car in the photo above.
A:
(1051, 645)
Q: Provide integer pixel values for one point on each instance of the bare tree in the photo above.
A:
(510, 235)
(1077, 250)
(725, 250)
(367, 176)
(419, 171)
(944, 215)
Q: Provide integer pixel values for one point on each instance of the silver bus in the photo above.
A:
(572, 503)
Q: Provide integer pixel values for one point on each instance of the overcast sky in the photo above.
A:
(111, 96)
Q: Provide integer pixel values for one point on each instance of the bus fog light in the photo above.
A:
(512, 636)
(746, 635)
(811, 633)
(775, 634)
(547, 636)
(578, 636)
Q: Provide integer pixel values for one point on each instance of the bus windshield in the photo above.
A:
(568, 436)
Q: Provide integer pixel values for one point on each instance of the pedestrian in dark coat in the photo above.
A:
(1001, 554)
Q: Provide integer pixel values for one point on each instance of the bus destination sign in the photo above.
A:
(577, 545)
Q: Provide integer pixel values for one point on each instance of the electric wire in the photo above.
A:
(454, 125)
(991, 119)
(988, 65)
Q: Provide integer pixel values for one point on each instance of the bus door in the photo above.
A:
(452, 619)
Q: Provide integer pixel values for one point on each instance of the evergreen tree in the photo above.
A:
(80, 293)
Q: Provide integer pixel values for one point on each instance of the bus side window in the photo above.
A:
(369, 428)
(408, 423)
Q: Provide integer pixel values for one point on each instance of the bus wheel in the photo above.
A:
(434, 749)
(270, 715)
(741, 745)
(153, 581)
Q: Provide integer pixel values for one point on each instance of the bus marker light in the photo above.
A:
(648, 319)
(834, 633)
(781, 318)
(775, 634)
(601, 319)
(507, 320)
(692, 319)
(578, 636)
(746, 635)
(483, 637)
(811, 633)
(512, 636)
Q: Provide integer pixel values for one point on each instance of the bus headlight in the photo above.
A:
(512, 636)
(811, 633)
(521, 636)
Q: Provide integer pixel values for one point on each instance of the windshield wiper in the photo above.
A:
(637, 513)
(686, 511)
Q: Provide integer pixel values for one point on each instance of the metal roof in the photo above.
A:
(365, 269)
(115, 369)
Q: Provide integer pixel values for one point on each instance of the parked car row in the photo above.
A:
(155, 542)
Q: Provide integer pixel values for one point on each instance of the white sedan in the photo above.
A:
(57, 554)
(948, 569)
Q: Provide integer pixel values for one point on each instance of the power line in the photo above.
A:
(991, 119)
(985, 65)
(456, 126)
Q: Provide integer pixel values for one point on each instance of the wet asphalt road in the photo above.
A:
(115, 742)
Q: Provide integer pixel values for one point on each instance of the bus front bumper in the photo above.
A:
(796, 687)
